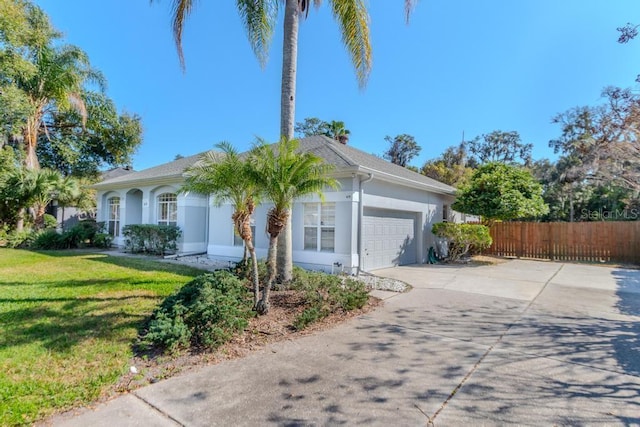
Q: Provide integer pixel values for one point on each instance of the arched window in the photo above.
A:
(113, 222)
(167, 209)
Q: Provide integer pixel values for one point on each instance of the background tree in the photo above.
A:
(285, 174)
(46, 99)
(628, 33)
(603, 141)
(226, 176)
(337, 130)
(499, 146)
(105, 138)
(450, 168)
(403, 148)
(498, 191)
(311, 126)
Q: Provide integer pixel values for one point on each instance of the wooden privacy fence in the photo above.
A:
(568, 241)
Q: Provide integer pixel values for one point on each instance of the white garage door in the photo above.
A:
(389, 238)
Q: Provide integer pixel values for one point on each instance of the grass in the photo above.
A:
(69, 320)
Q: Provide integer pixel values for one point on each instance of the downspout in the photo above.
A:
(360, 217)
(206, 227)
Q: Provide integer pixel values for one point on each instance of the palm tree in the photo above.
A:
(33, 188)
(224, 174)
(260, 18)
(337, 130)
(284, 175)
(56, 84)
(75, 192)
(45, 184)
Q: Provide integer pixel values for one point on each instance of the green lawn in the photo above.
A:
(67, 324)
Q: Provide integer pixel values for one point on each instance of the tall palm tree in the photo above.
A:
(284, 174)
(55, 83)
(260, 18)
(224, 174)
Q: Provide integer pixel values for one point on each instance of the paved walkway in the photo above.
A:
(524, 342)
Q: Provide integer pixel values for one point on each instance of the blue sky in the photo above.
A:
(460, 65)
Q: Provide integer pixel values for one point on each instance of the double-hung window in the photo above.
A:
(319, 227)
(113, 223)
(167, 209)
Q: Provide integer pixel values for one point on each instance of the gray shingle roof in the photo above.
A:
(340, 155)
(343, 156)
(166, 170)
(114, 173)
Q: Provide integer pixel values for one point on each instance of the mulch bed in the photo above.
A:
(262, 330)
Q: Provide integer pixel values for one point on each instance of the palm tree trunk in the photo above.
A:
(263, 305)
(289, 69)
(31, 142)
(287, 118)
(39, 217)
(284, 260)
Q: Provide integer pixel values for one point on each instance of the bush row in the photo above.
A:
(83, 234)
(151, 238)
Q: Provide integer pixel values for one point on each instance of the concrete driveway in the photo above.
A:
(523, 342)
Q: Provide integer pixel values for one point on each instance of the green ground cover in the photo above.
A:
(68, 322)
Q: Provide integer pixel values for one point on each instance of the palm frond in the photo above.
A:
(181, 9)
(285, 174)
(353, 20)
(409, 5)
(259, 18)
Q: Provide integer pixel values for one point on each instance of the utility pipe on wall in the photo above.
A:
(360, 217)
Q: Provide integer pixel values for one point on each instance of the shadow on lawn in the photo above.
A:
(59, 324)
(148, 263)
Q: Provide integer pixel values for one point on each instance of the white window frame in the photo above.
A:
(113, 221)
(170, 215)
(316, 221)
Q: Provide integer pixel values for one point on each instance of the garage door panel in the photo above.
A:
(389, 238)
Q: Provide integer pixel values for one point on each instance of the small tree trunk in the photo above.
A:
(254, 267)
(263, 305)
(20, 221)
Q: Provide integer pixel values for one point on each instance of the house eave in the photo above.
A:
(143, 182)
(385, 176)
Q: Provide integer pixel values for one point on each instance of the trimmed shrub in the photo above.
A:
(463, 239)
(206, 312)
(151, 238)
(102, 240)
(20, 239)
(50, 221)
(48, 240)
(326, 294)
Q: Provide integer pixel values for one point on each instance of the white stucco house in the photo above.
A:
(381, 215)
